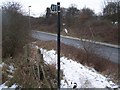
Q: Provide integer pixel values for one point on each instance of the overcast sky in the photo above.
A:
(38, 7)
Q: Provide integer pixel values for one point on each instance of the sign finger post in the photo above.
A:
(56, 9)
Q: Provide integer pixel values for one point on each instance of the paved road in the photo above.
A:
(107, 51)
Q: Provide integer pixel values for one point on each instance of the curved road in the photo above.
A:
(105, 50)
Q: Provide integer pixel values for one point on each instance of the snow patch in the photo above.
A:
(77, 75)
(3, 86)
(2, 64)
(66, 31)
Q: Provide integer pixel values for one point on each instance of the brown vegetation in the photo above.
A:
(15, 31)
(100, 64)
(98, 30)
(26, 71)
(83, 23)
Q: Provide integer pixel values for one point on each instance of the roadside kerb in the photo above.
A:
(84, 40)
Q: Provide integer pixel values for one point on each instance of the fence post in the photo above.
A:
(41, 65)
(26, 52)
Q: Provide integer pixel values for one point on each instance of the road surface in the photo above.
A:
(108, 51)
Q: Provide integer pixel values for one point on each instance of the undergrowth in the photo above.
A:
(25, 76)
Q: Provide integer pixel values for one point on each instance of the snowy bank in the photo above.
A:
(3, 86)
(77, 74)
(74, 74)
(11, 70)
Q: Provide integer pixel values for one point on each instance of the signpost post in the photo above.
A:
(58, 44)
(29, 18)
(56, 9)
(118, 12)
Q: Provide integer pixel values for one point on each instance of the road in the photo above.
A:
(108, 51)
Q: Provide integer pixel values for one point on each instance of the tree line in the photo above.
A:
(86, 23)
(111, 12)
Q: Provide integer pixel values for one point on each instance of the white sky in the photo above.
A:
(38, 7)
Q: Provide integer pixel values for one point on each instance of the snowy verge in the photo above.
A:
(11, 70)
(3, 86)
(77, 74)
(74, 74)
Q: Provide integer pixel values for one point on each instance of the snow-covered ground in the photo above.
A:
(66, 31)
(77, 74)
(3, 86)
(74, 74)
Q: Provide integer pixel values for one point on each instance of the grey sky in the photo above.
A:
(38, 7)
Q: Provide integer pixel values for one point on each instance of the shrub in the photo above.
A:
(14, 29)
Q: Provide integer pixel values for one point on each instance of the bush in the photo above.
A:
(14, 29)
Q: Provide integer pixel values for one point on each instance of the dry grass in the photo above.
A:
(24, 71)
(0, 52)
(99, 30)
(25, 74)
(100, 64)
(48, 28)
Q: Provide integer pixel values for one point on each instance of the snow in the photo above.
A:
(75, 73)
(3, 86)
(63, 24)
(11, 69)
(1, 65)
(50, 58)
(66, 30)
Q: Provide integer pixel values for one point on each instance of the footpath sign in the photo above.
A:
(56, 9)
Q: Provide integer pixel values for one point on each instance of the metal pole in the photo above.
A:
(58, 45)
(118, 13)
(29, 18)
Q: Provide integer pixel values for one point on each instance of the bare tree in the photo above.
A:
(71, 13)
(14, 29)
(111, 10)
